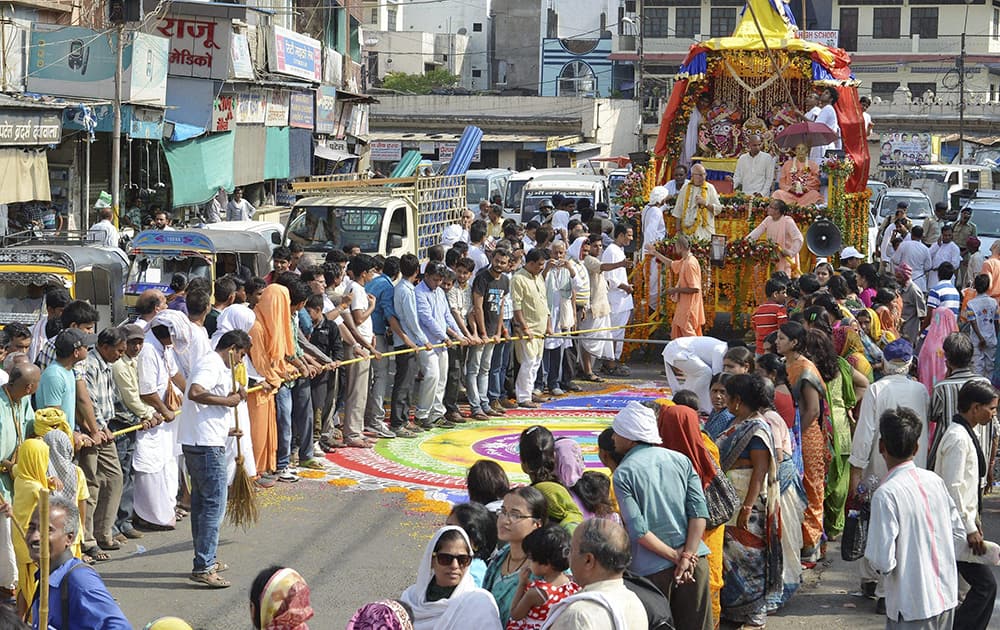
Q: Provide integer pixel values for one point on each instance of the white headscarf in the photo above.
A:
(451, 235)
(573, 253)
(185, 344)
(468, 606)
(235, 317)
(658, 195)
(637, 422)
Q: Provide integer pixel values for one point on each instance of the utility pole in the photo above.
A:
(116, 132)
(961, 101)
(641, 27)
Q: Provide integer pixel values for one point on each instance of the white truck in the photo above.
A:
(390, 217)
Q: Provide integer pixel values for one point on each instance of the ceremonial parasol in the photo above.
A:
(812, 134)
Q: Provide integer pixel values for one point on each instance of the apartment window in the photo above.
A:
(884, 89)
(723, 21)
(917, 89)
(993, 92)
(390, 20)
(687, 22)
(849, 29)
(476, 74)
(374, 16)
(996, 23)
(885, 22)
(656, 22)
(924, 22)
(477, 27)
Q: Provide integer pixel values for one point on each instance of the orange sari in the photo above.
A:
(272, 343)
(815, 453)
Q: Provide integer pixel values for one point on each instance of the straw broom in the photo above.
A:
(241, 506)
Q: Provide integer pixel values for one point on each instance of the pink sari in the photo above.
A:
(930, 362)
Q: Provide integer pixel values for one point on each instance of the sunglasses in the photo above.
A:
(447, 559)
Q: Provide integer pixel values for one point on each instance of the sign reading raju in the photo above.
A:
(296, 55)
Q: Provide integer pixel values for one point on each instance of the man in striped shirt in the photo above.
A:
(943, 293)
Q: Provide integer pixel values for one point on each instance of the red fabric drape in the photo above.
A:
(669, 117)
(852, 135)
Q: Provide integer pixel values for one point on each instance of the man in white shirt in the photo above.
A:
(895, 389)
(945, 250)
(213, 213)
(104, 231)
(961, 464)
(654, 229)
(914, 253)
(239, 209)
(598, 557)
(477, 247)
(613, 263)
(458, 231)
(913, 532)
(674, 185)
(697, 359)
(754, 173)
(206, 423)
(828, 116)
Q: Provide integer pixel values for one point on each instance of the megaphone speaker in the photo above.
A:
(823, 238)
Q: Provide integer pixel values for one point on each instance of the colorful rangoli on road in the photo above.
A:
(435, 462)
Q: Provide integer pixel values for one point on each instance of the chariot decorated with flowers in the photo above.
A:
(755, 83)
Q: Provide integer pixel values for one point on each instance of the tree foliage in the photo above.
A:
(420, 83)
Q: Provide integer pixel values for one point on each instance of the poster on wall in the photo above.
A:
(276, 114)
(300, 110)
(242, 64)
(385, 150)
(905, 148)
(326, 110)
(250, 108)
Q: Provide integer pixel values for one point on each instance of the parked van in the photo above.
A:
(948, 182)
(594, 188)
(517, 182)
(485, 184)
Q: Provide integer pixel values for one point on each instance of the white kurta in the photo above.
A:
(687, 210)
(156, 450)
(754, 174)
(905, 392)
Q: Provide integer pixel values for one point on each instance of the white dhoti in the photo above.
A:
(697, 377)
(156, 475)
(618, 320)
(246, 444)
(8, 562)
(596, 344)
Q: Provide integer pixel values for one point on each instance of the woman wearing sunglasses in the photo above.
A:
(445, 596)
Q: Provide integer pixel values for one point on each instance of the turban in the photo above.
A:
(637, 422)
(52, 419)
(451, 235)
(904, 271)
(658, 194)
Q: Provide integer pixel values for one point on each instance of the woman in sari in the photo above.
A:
(679, 430)
(888, 312)
(931, 366)
(279, 600)
(31, 474)
(538, 460)
(752, 550)
(844, 387)
(74, 484)
(387, 614)
(271, 334)
(809, 390)
(869, 328)
(719, 418)
(847, 342)
(444, 596)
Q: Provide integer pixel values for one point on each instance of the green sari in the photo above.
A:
(840, 397)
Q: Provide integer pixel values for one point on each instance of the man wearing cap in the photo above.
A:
(850, 259)
(964, 229)
(895, 389)
(654, 230)
(933, 224)
(57, 387)
(130, 410)
(664, 511)
(104, 231)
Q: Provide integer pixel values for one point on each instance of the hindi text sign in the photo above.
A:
(199, 46)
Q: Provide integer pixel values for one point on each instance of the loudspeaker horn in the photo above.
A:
(823, 238)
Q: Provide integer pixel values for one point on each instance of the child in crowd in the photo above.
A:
(481, 528)
(594, 491)
(770, 315)
(487, 484)
(981, 313)
(547, 549)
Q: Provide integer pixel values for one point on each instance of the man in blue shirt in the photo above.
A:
(405, 306)
(440, 327)
(58, 385)
(77, 596)
(664, 510)
(385, 326)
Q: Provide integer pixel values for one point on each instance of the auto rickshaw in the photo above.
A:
(88, 272)
(159, 254)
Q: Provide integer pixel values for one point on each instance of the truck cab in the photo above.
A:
(485, 184)
(594, 188)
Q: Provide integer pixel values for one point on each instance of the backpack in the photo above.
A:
(653, 600)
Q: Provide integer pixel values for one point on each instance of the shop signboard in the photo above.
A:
(250, 108)
(140, 123)
(242, 65)
(300, 110)
(385, 150)
(21, 127)
(276, 112)
(223, 116)
(326, 110)
(199, 46)
(446, 151)
(79, 62)
(296, 55)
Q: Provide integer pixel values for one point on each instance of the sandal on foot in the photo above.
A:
(87, 560)
(357, 443)
(96, 554)
(211, 578)
(593, 378)
(219, 567)
(109, 545)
